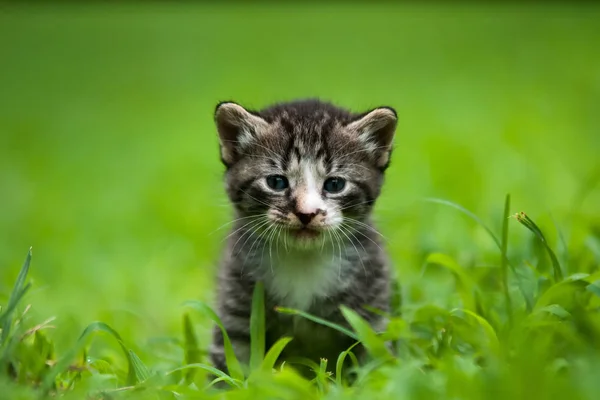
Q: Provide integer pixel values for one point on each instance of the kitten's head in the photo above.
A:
(304, 167)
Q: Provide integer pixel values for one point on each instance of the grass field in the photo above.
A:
(109, 169)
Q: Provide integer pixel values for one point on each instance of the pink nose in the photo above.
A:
(305, 218)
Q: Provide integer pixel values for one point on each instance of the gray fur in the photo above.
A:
(344, 265)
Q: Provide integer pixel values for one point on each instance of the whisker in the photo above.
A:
(270, 240)
(264, 243)
(338, 240)
(355, 248)
(354, 205)
(260, 235)
(254, 217)
(333, 244)
(340, 255)
(368, 238)
(248, 228)
(279, 239)
(252, 232)
(367, 226)
(257, 220)
(268, 232)
(331, 240)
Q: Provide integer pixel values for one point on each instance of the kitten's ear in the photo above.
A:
(376, 129)
(237, 127)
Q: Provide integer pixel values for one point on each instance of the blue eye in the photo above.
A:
(277, 182)
(334, 185)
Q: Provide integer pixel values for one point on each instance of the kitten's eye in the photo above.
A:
(334, 185)
(277, 182)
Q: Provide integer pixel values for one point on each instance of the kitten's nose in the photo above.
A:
(305, 218)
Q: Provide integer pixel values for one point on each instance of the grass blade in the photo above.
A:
(490, 333)
(136, 370)
(468, 214)
(339, 365)
(504, 258)
(322, 376)
(307, 362)
(233, 365)
(320, 321)
(498, 242)
(553, 309)
(220, 374)
(396, 300)
(138, 367)
(273, 354)
(191, 349)
(5, 318)
(373, 343)
(594, 288)
(555, 293)
(532, 226)
(257, 327)
(19, 290)
(21, 277)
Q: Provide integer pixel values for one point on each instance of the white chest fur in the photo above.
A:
(298, 278)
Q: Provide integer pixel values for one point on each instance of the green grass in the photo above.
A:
(109, 169)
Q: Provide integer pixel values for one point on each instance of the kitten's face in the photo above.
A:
(308, 171)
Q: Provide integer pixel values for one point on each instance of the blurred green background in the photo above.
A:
(109, 165)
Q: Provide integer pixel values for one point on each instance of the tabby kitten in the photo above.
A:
(303, 178)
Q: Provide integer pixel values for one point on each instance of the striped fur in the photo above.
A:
(336, 258)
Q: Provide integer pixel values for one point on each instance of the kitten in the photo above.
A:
(303, 178)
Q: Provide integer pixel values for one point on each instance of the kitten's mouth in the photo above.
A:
(305, 233)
